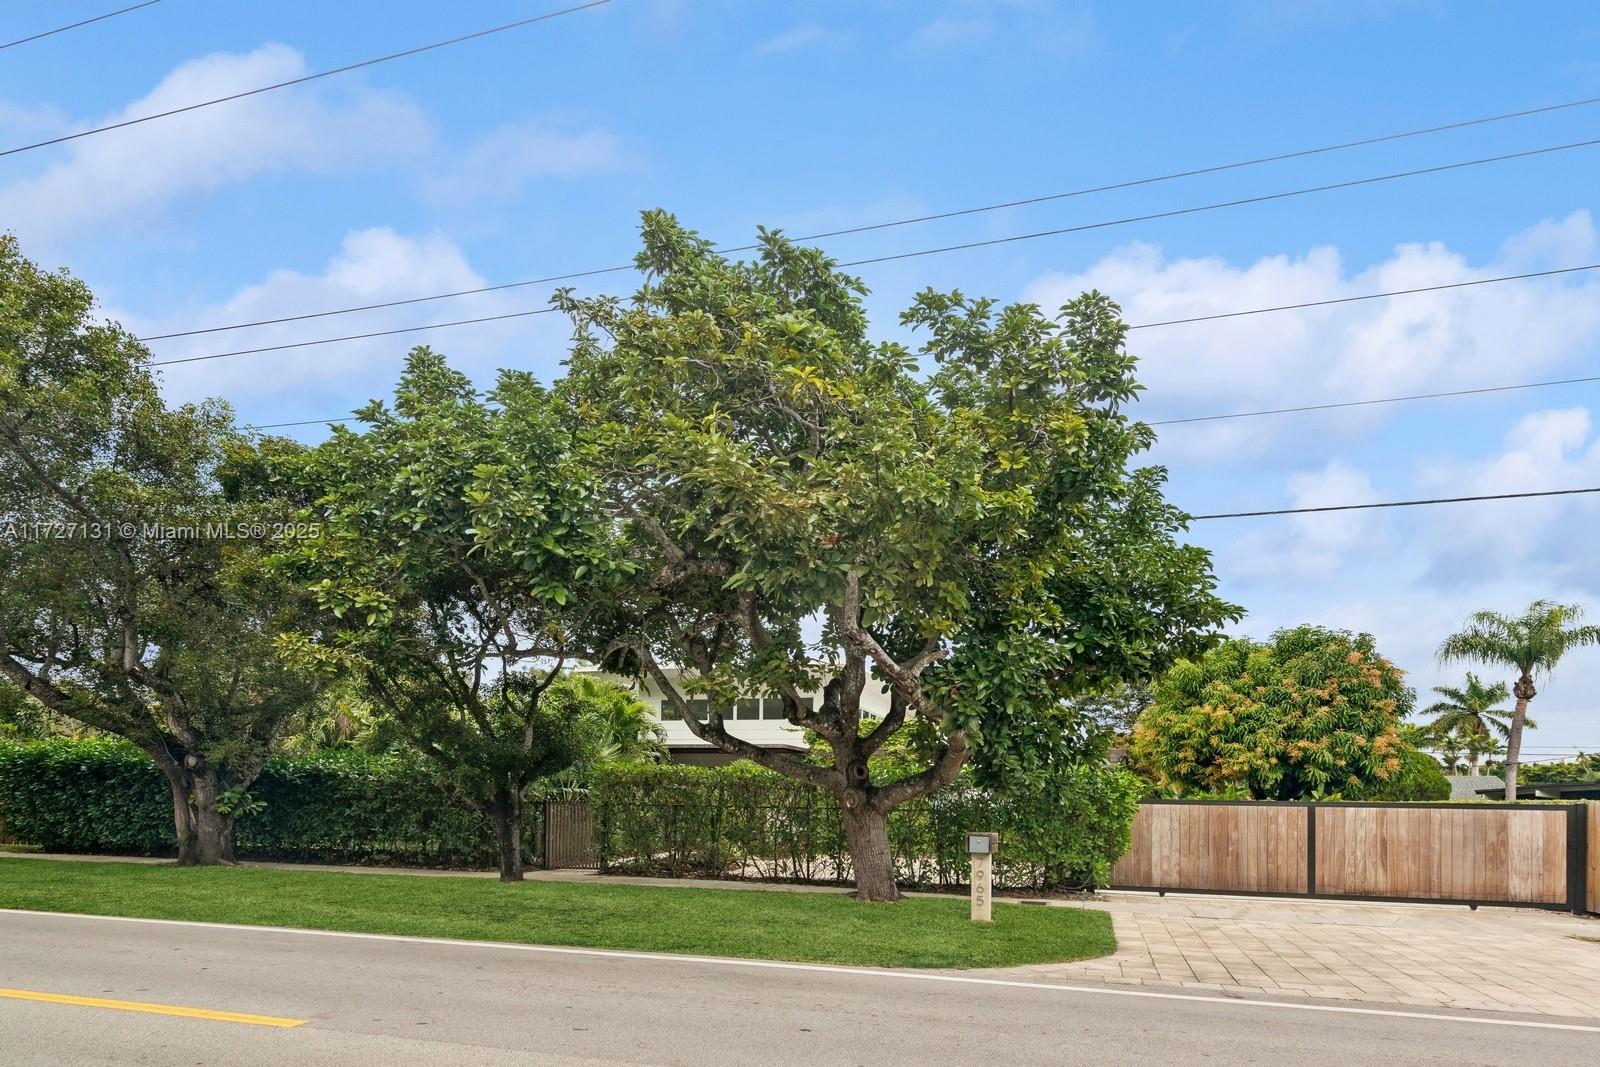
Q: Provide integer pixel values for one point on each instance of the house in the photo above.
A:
(757, 718)
(1547, 791)
(1467, 786)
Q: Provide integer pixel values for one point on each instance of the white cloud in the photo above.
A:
(372, 266)
(1424, 342)
(946, 31)
(510, 156)
(1549, 536)
(129, 176)
(805, 35)
(1311, 546)
(1056, 27)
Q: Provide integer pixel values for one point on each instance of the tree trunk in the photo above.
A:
(1524, 692)
(182, 819)
(866, 831)
(505, 811)
(205, 834)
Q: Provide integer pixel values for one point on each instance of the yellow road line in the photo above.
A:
(153, 1009)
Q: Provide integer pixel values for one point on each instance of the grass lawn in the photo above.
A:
(811, 927)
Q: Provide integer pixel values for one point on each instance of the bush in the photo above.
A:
(740, 821)
(345, 806)
(1419, 778)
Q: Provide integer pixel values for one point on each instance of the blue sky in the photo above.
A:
(531, 153)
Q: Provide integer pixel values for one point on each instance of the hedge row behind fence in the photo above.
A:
(741, 821)
(106, 796)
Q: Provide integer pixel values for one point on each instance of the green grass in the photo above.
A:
(809, 927)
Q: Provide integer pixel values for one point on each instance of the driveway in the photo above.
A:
(1505, 959)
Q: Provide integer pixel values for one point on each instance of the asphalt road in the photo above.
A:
(354, 1001)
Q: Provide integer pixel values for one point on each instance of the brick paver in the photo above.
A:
(1503, 959)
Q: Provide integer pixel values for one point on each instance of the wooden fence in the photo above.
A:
(1537, 855)
(1594, 857)
(568, 834)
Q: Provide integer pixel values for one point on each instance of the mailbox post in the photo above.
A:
(980, 850)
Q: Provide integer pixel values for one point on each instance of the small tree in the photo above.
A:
(133, 595)
(972, 541)
(1312, 712)
(1530, 644)
(460, 538)
(1472, 714)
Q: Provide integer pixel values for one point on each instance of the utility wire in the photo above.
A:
(1369, 296)
(979, 244)
(1376, 400)
(1131, 183)
(1218, 205)
(1136, 326)
(1391, 504)
(350, 337)
(303, 79)
(75, 25)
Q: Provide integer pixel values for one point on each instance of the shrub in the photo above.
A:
(343, 806)
(1312, 713)
(1419, 778)
(740, 821)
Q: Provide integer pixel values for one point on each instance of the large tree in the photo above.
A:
(133, 595)
(811, 513)
(1530, 644)
(1312, 712)
(461, 541)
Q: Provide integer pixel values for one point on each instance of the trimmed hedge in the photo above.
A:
(105, 796)
(740, 821)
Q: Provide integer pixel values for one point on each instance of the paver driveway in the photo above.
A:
(1506, 959)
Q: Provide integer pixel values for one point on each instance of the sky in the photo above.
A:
(531, 152)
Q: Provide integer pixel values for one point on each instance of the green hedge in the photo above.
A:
(741, 821)
(106, 796)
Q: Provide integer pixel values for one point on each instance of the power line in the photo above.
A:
(1136, 326)
(1264, 198)
(997, 241)
(305, 78)
(1233, 415)
(1369, 296)
(350, 337)
(75, 25)
(1377, 400)
(1391, 504)
(1131, 183)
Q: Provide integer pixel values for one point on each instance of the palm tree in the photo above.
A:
(1470, 714)
(1530, 644)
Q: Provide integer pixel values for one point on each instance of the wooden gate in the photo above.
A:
(568, 835)
(1536, 855)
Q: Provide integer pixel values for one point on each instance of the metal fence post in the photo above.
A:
(1311, 850)
(1578, 858)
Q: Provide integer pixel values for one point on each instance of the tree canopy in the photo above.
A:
(133, 596)
(1312, 712)
(461, 539)
(809, 511)
(1530, 645)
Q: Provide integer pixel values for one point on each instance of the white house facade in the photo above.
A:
(757, 718)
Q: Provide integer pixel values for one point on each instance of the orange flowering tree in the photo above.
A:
(1312, 713)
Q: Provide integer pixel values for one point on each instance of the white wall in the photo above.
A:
(765, 731)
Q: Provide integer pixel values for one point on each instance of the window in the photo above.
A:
(700, 708)
(668, 712)
(747, 709)
(772, 707)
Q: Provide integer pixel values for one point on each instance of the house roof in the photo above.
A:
(1466, 786)
(1547, 791)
